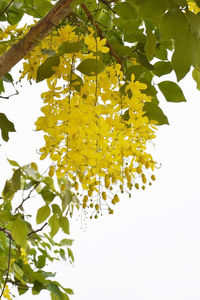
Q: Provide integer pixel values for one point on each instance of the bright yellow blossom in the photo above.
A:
(192, 6)
(86, 132)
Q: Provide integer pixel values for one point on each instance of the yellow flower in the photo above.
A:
(193, 7)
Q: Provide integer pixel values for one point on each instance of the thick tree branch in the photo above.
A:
(115, 55)
(37, 33)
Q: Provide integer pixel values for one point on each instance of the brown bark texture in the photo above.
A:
(37, 33)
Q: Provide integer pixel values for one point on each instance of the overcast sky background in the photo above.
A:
(150, 248)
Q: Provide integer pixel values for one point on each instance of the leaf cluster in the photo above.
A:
(31, 249)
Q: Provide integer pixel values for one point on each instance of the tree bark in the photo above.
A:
(37, 33)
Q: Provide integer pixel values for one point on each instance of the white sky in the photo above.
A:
(150, 248)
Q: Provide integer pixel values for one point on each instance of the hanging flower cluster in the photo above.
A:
(96, 131)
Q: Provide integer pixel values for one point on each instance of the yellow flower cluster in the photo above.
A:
(10, 35)
(6, 293)
(96, 131)
(24, 256)
(192, 6)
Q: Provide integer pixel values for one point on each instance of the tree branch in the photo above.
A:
(25, 199)
(9, 4)
(35, 231)
(8, 97)
(115, 55)
(37, 33)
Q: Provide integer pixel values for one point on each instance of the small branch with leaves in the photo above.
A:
(26, 198)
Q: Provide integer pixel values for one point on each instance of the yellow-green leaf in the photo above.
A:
(19, 232)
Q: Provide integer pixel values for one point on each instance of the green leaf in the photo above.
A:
(183, 54)
(173, 23)
(67, 198)
(62, 254)
(6, 126)
(144, 61)
(125, 10)
(1, 86)
(42, 7)
(19, 232)
(52, 287)
(8, 78)
(42, 214)
(45, 70)
(47, 195)
(70, 255)
(6, 216)
(91, 67)
(154, 112)
(196, 77)
(8, 189)
(152, 8)
(64, 224)
(69, 291)
(18, 272)
(14, 15)
(197, 2)
(56, 210)
(41, 261)
(37, 287)
(68, 47)
(171, 91)
(103, 17)
(123, 50)
(162, 67)
(150, 45)
(16, 180)
(49, 182)
(22, 289)
(13, 163)
(161, 52)
(66, 242)
(54, 225)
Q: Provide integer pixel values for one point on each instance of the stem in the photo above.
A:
(9, 4)
(8, 97)
(40, 229)
(9, 255)
(25, 199)
(115, 55)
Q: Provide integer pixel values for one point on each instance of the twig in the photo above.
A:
(9, 255)
(19, 284)
(7, 233)
(9, 4)
(8, 97)
(115, 55)
(112, 1)
(107, 4)
(25, 199)
(40, 229)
